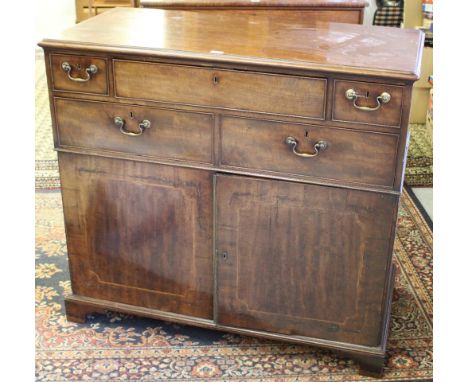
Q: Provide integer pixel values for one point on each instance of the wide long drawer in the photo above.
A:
(150, 131)
(338, 154)
(259, 92)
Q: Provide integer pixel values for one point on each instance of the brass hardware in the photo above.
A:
(353, 95)
(143, 125)
(318, 146)
(91, 69)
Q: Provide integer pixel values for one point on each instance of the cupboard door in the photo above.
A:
(139, 233)
(301, 259)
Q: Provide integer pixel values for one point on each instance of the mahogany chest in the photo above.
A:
(84, 9)
(344, 11)
(235, 174)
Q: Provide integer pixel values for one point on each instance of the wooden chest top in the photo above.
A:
(261, 40)
(255, 4)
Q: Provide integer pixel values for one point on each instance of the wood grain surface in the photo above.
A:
(139, 234)
(260, 39)
(255, 4)
(292, 95)
(389, 114)
(97, 84)
(351, 156)
(173, 134)
(301, 259)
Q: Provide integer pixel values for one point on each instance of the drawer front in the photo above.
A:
(171, 134)
(82, 74)
(363, 102)
(350, 156)
(268, 93)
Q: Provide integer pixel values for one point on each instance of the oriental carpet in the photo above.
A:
(46, 169)
(419, 163)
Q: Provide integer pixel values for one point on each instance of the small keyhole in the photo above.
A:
(224, 255)
(306, 134)
(215, 79)
(131, 115)
(78, 66)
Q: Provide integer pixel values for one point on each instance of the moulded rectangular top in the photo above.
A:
(283, 4)
(275, 41)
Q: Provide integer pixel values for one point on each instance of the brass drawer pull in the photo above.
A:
(143, 125)
(353, 95)
(91, 69)
(318, 146)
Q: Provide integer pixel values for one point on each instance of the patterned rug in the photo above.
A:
(117, 347)
(47, 176)
(418, 171)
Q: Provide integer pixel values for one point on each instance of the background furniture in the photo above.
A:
(245, 187)
(345, 11)
(88, 8)
(390, 16)
(413, 18)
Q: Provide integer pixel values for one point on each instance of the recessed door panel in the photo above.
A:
(302, 259)
(139, 233)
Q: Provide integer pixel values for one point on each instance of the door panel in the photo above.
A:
(139, 233)
(302, 259)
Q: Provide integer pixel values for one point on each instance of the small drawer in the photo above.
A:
(149, 131)
(369, 103)
(250, 91)
(339, 154)
(81, 74)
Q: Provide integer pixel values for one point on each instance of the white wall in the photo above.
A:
(53, 16)
(369, 13)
